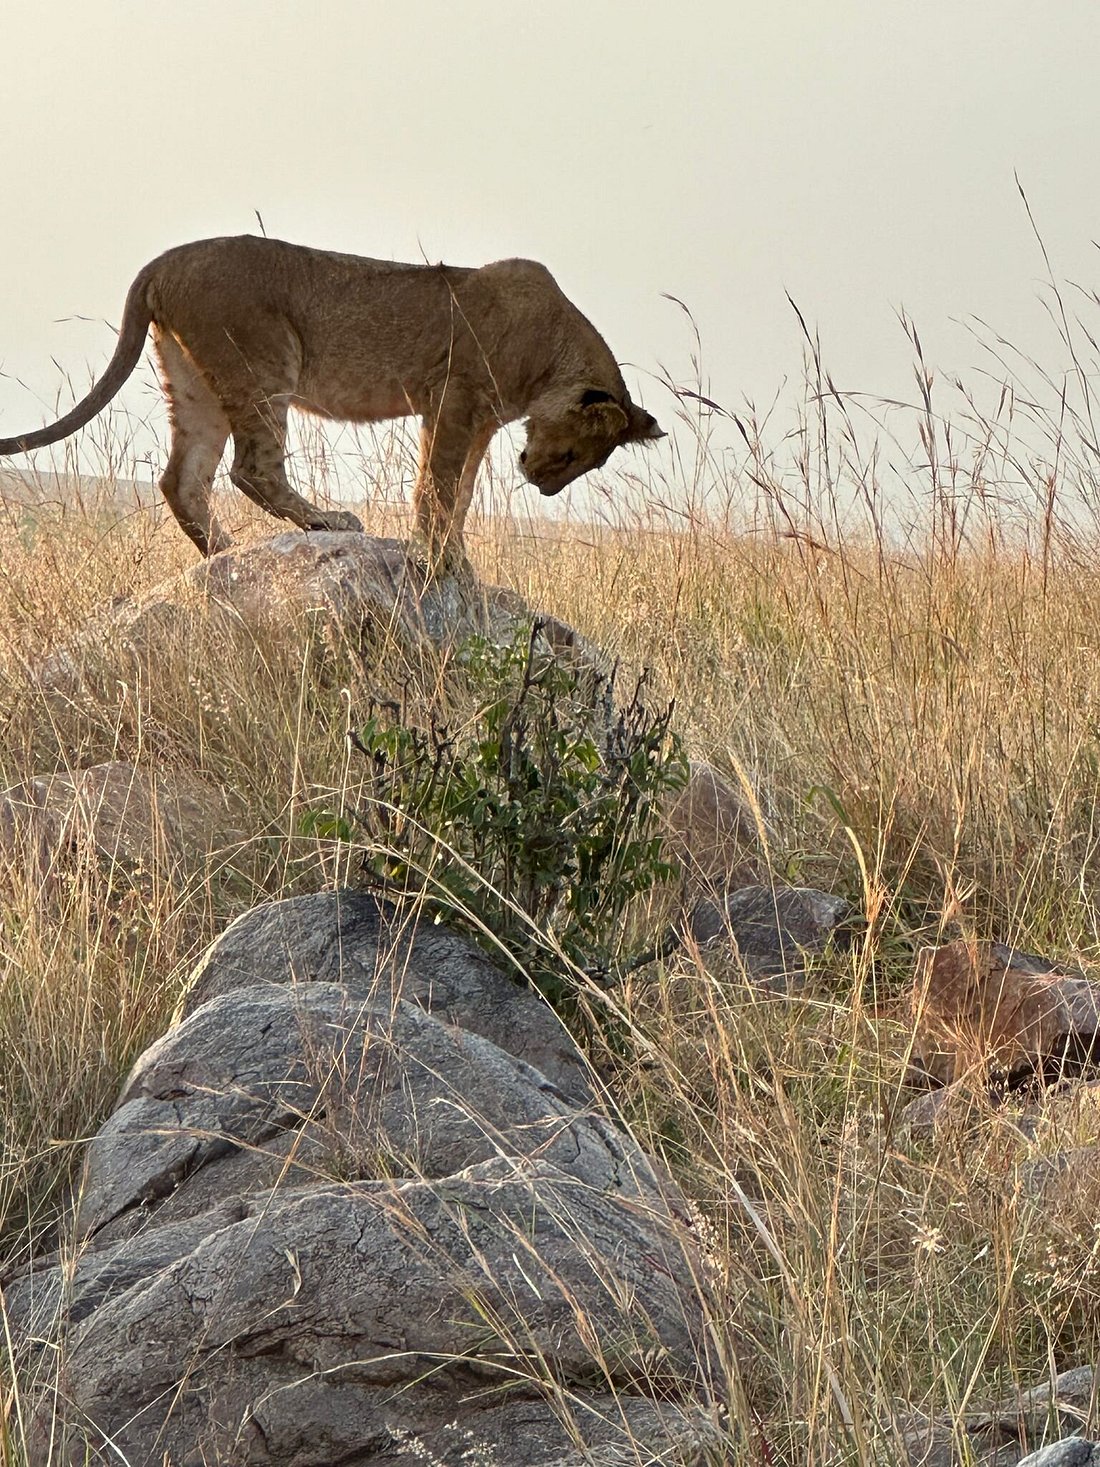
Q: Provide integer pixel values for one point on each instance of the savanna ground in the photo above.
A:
(887, 627)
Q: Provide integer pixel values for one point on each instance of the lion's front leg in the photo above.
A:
(450, 455)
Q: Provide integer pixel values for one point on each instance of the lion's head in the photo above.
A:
(567, 439)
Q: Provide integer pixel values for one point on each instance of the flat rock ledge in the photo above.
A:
(339, 1216)
(351, 589)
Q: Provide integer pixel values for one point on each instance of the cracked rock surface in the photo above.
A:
(377, 951)
(330, 1223)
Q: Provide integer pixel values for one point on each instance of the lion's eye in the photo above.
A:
(523, 457)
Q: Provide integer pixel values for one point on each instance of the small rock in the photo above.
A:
(711, 832)
(30, 831)
(769, 930)
(1074, 1452)
(140, 820)
(1057, 1181)
(984, 1009)
(954, 1105)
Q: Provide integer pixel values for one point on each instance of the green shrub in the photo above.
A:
(536, 828)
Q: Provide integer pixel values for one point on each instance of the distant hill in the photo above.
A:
(39, 487)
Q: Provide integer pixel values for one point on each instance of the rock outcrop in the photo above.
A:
(339, 1216)
(346, 589)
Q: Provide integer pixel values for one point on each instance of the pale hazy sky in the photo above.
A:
(857, 153)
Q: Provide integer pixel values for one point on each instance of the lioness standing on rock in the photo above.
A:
(246, 328)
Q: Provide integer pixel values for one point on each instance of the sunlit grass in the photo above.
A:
(887, 622)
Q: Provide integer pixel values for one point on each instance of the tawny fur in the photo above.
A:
(246, 328)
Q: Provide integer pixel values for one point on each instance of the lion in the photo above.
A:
(246, 328)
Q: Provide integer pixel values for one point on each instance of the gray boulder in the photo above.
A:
(325, 1224)
(1074, 1452)
(303, 1329)
(271, 1084)
(997, 1434)
(379, 951)
(354, 591)
(361, 583)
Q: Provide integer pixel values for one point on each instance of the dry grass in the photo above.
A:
(896, 646)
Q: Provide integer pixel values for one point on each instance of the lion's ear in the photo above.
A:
(643, 426)
(602, 412)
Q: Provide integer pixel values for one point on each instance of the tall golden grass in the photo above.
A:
(885, 620)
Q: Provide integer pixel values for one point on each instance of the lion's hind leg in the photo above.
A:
(259, 470)
(199, 431)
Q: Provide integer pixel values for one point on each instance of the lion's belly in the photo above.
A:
(353, 402)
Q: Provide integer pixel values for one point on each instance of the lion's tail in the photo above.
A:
(136, 317)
